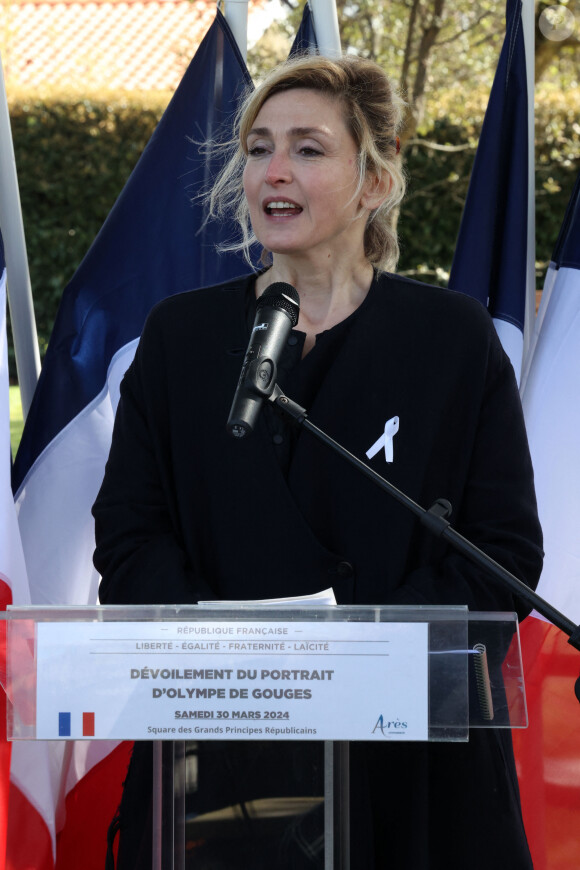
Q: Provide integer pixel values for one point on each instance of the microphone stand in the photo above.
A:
(435, 519)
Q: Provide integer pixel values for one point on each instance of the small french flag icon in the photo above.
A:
(64, 724)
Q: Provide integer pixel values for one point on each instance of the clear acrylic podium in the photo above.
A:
(252, 710)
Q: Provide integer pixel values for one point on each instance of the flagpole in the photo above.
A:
(326, 26)
(529, 25)
(236, 14)
(18, 283)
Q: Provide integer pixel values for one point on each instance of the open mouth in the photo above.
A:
(282, 208)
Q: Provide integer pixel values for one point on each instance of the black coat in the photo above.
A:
(186, 512)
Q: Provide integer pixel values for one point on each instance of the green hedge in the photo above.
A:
(73, 158)
(438, 182)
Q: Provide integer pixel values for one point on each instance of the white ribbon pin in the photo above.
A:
(386, 440)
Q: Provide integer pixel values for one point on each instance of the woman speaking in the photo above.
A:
(186, 512)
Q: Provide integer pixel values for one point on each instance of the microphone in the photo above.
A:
(277, 312)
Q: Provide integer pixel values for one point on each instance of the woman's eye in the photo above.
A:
(308, 151)
(256, 151)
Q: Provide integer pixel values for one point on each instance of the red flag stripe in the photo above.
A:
(90, 807)
(5, 747)
(30, 841)
(547, 752)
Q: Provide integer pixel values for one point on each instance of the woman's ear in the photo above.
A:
(375, 190)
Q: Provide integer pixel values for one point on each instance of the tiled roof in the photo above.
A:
(83, 45)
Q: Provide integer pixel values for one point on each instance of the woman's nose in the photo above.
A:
(278, 169)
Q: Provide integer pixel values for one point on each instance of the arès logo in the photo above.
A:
(389, 726)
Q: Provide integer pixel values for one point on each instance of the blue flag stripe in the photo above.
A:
(305, 39)
(154, 243)
(490, 259)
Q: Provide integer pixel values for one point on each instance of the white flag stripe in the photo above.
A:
(85, 754)
(512, 339)
(12, 569)
(54, 502)
(549, 281)
(551, 402)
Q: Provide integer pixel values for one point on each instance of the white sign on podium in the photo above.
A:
(225, 680)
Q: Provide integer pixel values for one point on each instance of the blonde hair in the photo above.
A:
(372, 112)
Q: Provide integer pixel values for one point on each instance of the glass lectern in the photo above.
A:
(248, 714)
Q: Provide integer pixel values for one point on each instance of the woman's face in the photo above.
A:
(301, 177)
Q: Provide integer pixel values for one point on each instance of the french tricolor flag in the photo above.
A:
(548, 753)
(491, 260)
(65, 726)
(491, 263)
(155, 242)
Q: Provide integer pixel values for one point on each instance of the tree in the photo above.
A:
(426, 46)
(433, 48)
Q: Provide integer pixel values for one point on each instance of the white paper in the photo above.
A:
(317, 599)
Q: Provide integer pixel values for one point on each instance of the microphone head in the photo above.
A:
(283, 297)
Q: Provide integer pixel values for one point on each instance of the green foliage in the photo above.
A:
(431, 212)
(438, 181)
(557, 163)
(74, 156)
